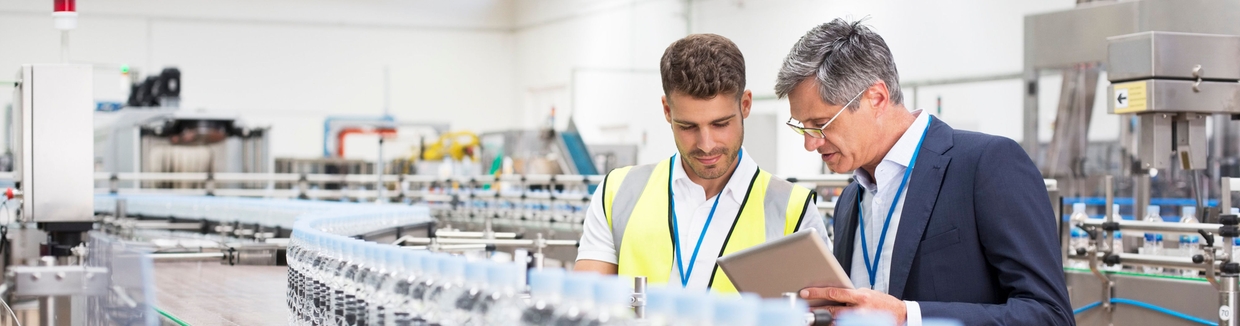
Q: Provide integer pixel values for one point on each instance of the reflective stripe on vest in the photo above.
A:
(635, 202)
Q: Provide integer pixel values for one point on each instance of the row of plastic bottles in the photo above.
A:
(569, 206)
(1152, 242)
(353, 282)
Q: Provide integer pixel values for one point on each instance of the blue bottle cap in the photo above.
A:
(693, 305)
(580, 286)
(741, 310)
(476, 272)
(546, 283)
(779, 312)
(613, 291)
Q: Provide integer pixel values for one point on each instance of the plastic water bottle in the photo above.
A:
(442, 297)
(1189, 243)
(578, 299)
(777, 312)
(545, 288)
(404, 312)
(737, 311)
(1189, 247)
(692, 308)
(1235, 249)
(1080, 239)
(501, 306)
(1153, 241)
(611, 300)
(422, 290)
(466, 298)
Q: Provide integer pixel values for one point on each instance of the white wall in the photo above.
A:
(602, 56)
(502, 64)
(290, 64)
(930, 40)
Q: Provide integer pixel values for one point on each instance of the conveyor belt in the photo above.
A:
(207, 293)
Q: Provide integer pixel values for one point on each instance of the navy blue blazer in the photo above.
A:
(977, 240)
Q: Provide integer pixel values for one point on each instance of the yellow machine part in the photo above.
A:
(459, 145)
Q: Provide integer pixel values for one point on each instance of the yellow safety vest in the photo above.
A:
(635, 202)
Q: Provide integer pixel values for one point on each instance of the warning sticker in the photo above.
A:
(1129, 97)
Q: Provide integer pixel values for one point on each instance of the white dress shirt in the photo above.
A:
(879, 190)
(692, 209)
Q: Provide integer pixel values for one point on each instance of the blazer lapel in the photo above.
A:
(922, 192)
(845, 223)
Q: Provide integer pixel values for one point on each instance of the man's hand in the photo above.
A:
(857, 299)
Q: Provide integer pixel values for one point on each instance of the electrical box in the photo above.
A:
(53, 141)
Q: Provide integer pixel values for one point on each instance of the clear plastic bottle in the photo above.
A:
(578, 301)
(1235, 249)
(386, 301)
(466, 299)
(501, 306)
(1189, 246)
(1079, 239)
(341, 282)
(1188, 243)
(660, 305)
(422, 289)
(545, 288)
(1153, 244)
(440, 301)
(737, 311)
(612, 297)
(402, 312)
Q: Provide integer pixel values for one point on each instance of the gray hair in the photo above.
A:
(845, 58)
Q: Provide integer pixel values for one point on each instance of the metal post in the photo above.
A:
(1224, 200)
(380, 189)
(121, 209)
(539, 244)
(1110, 209)
(1142, 195)
(639, 297)
(1227, 299)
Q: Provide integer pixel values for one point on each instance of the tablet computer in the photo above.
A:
(788, 264)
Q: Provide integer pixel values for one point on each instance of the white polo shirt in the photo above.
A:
(877, 193)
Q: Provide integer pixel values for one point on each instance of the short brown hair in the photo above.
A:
(703, 66)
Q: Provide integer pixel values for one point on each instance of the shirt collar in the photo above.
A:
(900, 153)
(737, 186)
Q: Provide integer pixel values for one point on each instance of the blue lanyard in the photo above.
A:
(680, 262)
(872, 268)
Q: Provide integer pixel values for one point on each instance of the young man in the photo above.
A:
(669, 221)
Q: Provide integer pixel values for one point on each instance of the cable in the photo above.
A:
(1166, 311)
(1078, 311)
(168, 315)
(11, 313)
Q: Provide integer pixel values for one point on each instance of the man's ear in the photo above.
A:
(667, 109)
(746, 103)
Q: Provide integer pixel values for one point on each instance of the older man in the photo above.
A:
(940, 222)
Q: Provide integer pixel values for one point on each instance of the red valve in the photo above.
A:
(8, 193)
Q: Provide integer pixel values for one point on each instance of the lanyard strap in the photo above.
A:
(872, 268)
(680, 264)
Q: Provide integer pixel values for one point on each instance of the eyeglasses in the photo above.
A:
(818, 132)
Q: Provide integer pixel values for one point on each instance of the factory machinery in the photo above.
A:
(82, 250)
(1174, 73)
